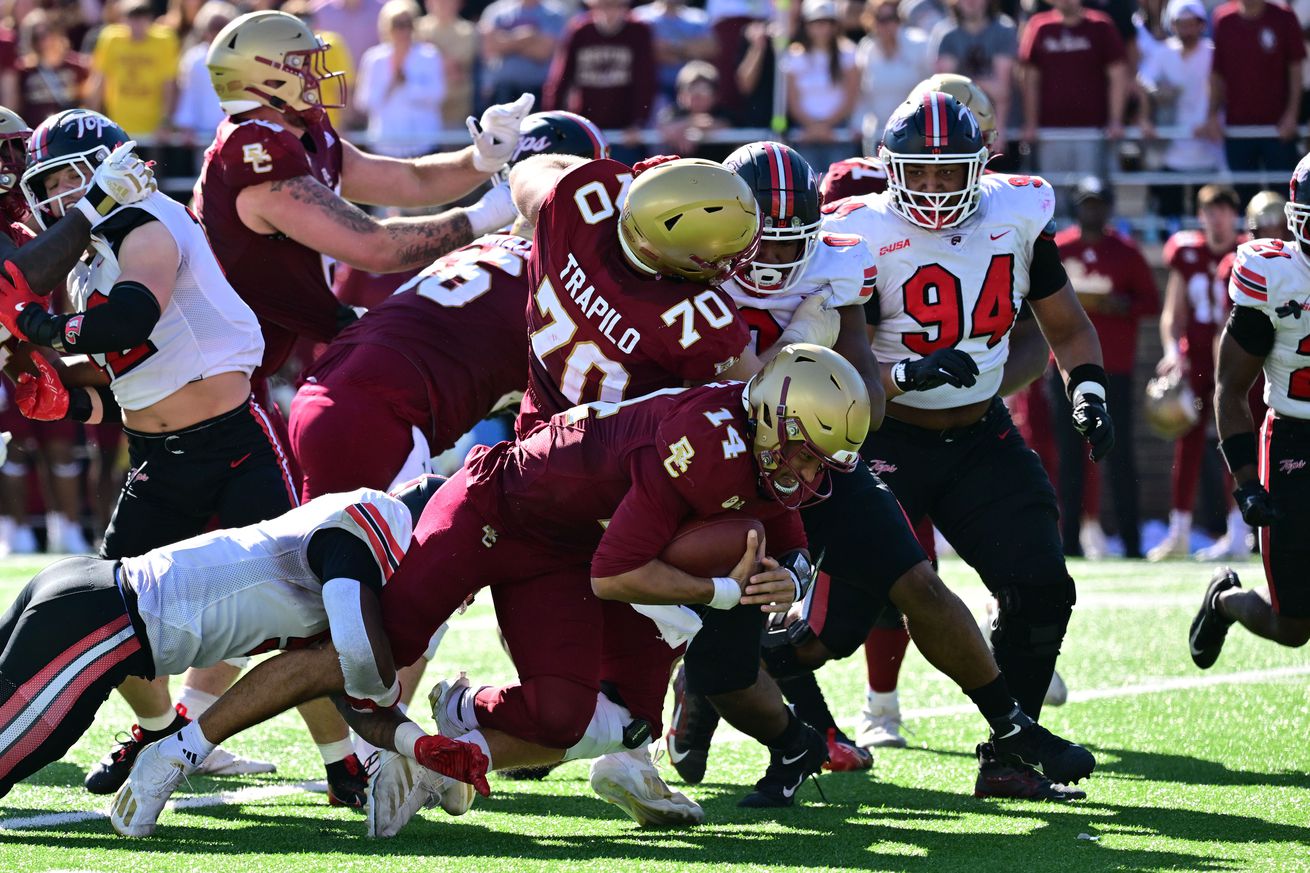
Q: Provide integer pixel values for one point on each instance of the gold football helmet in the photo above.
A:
(271, 59)
(14, 133)
(808, 399)
(966, 92)
(690, 219)
(1172, 407)
(1266, 210)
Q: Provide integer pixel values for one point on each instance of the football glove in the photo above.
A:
(496, 136)
(1256, 505)
(650, 163)
(121, 179)
(1092, 420)
(943, 367)
(494, 211)
(15, 295)
(813, 322)
(42, 397)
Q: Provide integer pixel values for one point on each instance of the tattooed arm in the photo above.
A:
(47, 260)
(426, 181)
(311, 214)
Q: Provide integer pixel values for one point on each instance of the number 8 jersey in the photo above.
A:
(598, 330)
(960, 287)
(204, 330)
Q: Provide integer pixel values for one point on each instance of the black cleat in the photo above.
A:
(1017, 781)
(1034, 746)
(691, 730)
(787, 771)
(1206, 638)
(347, 782)
(107, 776)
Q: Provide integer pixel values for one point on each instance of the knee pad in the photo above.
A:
(606, 732)
(1033, 620)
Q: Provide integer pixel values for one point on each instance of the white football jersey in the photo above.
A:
(248, 590)
(960, 287)
(1271, 275)
(205, 329)
(842, 270)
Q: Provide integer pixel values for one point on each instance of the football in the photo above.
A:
(710, 547)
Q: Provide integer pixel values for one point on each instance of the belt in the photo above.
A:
(950, 435)
(189, 439)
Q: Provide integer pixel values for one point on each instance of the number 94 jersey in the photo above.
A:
(598, 330)
(1270, 275)
(960, 287)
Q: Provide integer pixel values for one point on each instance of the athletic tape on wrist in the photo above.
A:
(727, 593)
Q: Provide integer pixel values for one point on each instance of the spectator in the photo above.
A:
(134, 71)
(1117, 288)
(181, 19)
(1074, 75)
(355, 21)
(822, 85)
(694, 113)
(892, 59)
(456, 39)
(197, 115)
(604, 69)
(1258, 51)
(401, 86)
(981, 43)
(729, 20)
(682, 34)
(8, 66)
(51, 77)
(1118, 11)
(923, 15)
(1177, 81)
(518, 41)
(754, 76)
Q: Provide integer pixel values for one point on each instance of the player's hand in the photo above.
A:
(458, 760)
(775, 589)
(496, 136)
(41, 397)
(121, 179)
(495, 210)
(1255, 504)
(750, 560)
(1092, 420)
(943, 367)
(15, 294)
(650, 163)
(813, 322)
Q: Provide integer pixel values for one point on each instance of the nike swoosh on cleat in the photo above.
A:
(788, 792)
(789, 761)
(1014, 729)
(674, 755)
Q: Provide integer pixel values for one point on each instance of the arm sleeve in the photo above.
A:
(338, 554)
(124, 321)
(1252, 330)
(1046, 276)
(645, 521)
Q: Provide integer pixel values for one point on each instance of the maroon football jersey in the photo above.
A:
(598, 329)
(1207, 298)
(853, 177)
(460, 322)
(620, 479)
(286, 284)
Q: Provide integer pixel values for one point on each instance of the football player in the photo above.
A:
(1190, 320)
(798, 259)
(957, 252)
(1266, 332)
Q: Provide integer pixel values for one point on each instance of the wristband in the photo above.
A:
(1081, 375)
(1239, 450)
(727, 593)
(898, 375)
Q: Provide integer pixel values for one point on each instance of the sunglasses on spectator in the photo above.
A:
(402, 24)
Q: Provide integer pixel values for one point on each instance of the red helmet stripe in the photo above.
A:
(934, 119)
(775, 180)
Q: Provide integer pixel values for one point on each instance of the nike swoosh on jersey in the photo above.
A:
(241, 460)
(996, 236)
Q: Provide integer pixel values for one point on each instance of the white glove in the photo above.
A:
(494, 211)
(497, 136)
(121, 179)
(813, 322)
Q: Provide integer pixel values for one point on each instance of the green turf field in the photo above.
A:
(1198, 771)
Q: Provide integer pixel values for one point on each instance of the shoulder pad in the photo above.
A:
(260, 151)
(693, 450)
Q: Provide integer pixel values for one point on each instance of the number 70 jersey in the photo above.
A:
(955, 288)
(598, 330)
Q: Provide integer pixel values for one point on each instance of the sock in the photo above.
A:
(1180, 523)
(407, 735)
(476, 738)
(195, 703)
(337, 751)
(883, 652)
(807, 701)
(1237, 526)
(883, 701)
(791, 737)
(159, 724)
(189, 745)
(463, 708)
(996, 704)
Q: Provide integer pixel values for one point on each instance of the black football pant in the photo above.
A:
(68, 640)
(232, 467)
(1285, 544)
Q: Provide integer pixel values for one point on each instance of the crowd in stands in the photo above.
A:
(1150, 85)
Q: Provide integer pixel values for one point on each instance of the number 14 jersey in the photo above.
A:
(955, 288)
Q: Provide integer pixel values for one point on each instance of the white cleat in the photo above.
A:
(439, 697)
(221, 762)
(630, 781)
(880, 722)
(136, 807)
(400, 787)
(1175, 545)
(1057, 693)
(1091, 538)
(1225, 550)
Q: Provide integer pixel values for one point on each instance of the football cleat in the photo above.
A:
(1210, 627)
(1226, 548)
(1175, 545)
(440, 698)
(1035, 746)
(844, 756)
(1015, 780)
(347, 782)
(630, 781)
(880, 722)
(691, 730)
(787, 771)
(139, 801)
(112, 771)
(395, 795)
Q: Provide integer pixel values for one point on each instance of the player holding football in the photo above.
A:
(1265, 332)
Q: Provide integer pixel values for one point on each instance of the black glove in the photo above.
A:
(1092, 420)
(943, 367)
(1255, 504)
